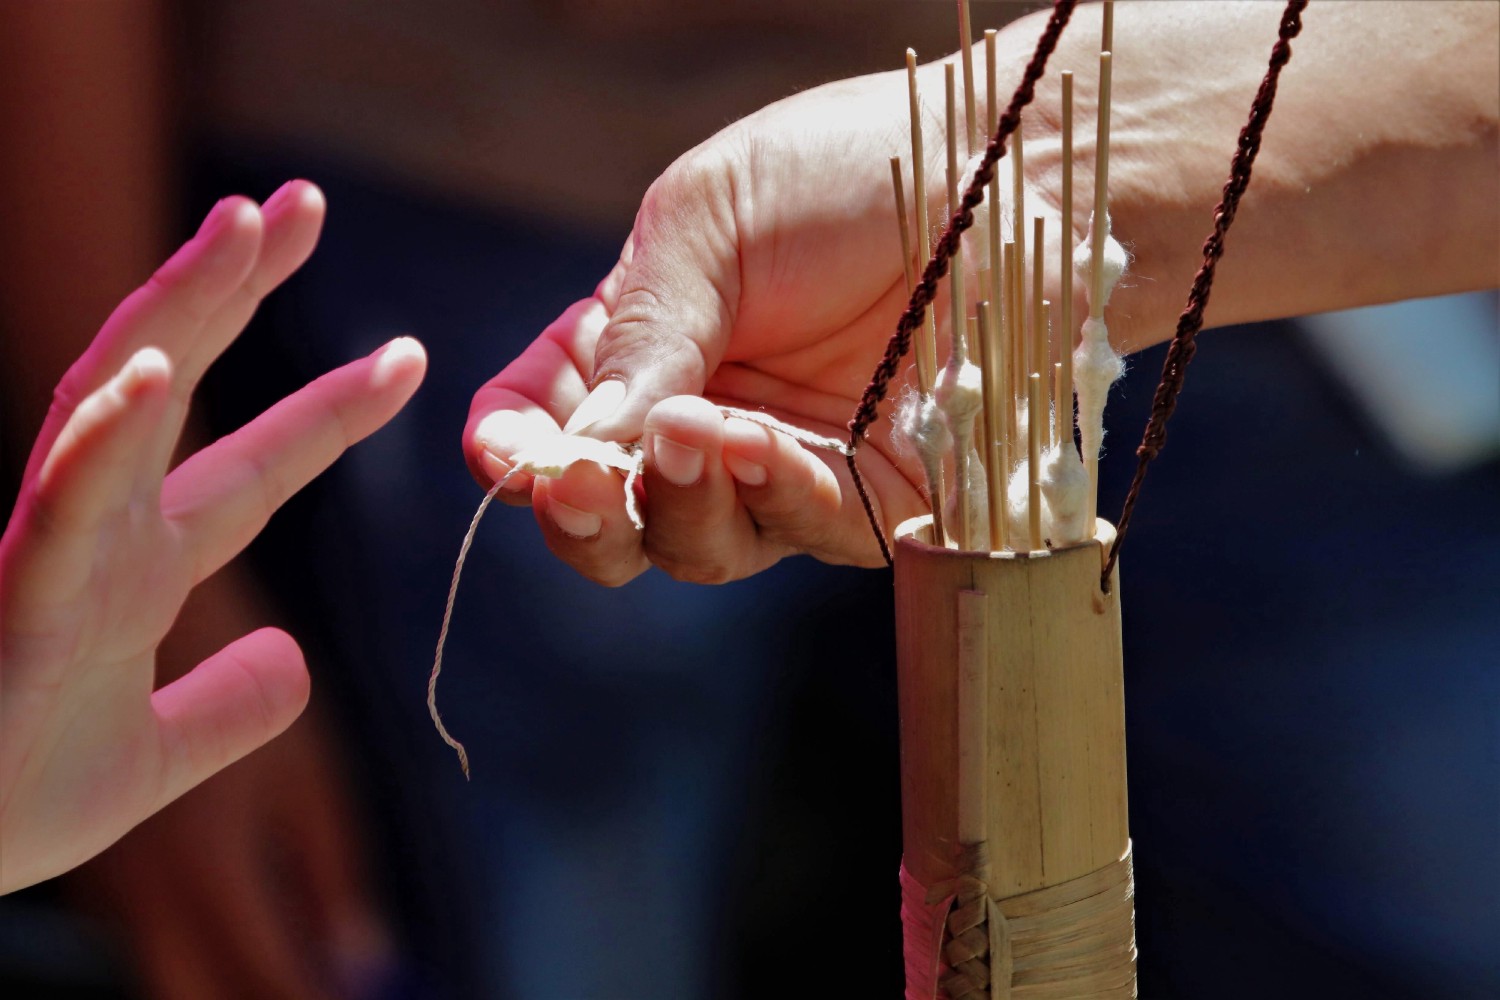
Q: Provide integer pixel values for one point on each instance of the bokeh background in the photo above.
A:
(693, 792)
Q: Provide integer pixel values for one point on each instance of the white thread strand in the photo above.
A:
(632, 505)
(437, 659)
(797, 434)
(921, 428)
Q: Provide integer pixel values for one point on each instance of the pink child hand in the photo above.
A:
(104, 546)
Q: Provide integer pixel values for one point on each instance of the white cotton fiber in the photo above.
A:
(1065, 486)
(979, 505)
(1096, 367)
(921, 427)
(960, 395)
(1116, 260)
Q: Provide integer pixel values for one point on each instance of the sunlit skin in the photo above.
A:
(104, 546)
(764, 268)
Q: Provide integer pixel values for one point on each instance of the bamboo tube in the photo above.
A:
(973, 730)
(1055, 818)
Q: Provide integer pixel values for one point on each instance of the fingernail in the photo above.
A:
(603, 401)
(392, 357)
(497, 430)
(501, 434)
(748, 472)
(146, 365)
(149, 361)
(678, 464)
(495, 467)
(273, 204)
(572, 521)
(399, 346)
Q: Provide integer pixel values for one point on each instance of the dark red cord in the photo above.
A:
(1184, 346)
(926, 289)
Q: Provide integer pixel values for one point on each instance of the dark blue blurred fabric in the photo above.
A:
(1313, 692)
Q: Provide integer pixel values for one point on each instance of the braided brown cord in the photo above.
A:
(1184, 346)
(937, 267)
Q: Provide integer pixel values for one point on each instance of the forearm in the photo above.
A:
(1376, 181)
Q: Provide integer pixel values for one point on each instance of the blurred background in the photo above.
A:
(683, 791)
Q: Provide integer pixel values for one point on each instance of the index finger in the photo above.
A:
(168, 309)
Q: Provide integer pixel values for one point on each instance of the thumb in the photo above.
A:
(230, 704)
(671, 300)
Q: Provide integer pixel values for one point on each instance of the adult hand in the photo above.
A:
(764, 271)
(104, 546)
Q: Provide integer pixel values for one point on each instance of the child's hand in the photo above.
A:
(104, 546)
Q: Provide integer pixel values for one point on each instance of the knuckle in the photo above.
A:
(612, 576)
(66, 398)
(168, 285)
(695, 569)
(641, 336)
(696, 178)
(804, 527)
(590, 561)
